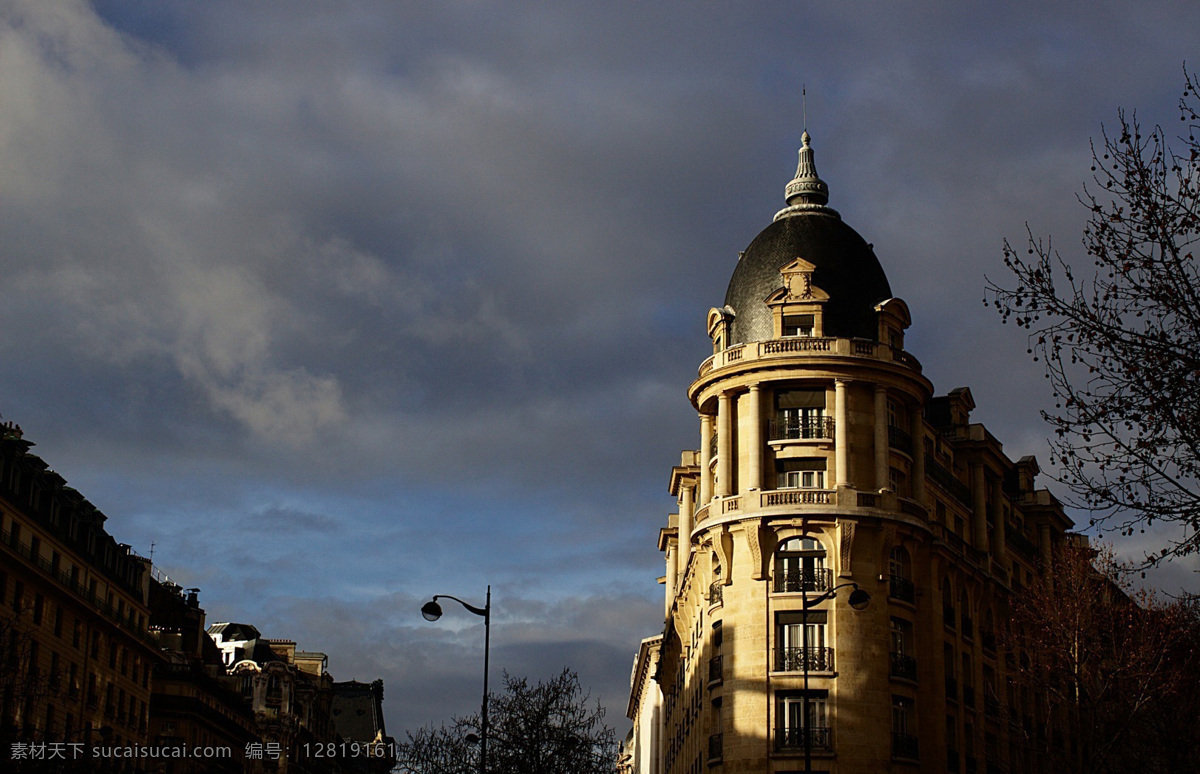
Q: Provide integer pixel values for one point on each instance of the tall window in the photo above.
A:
(802, 473)
(799, 722)
(800, 566)
(964, 604)
(903, 664)
(799, 642)
(947, 603)
(951, 744)
(799, 414)
(904, 732)
(951, 670)
(968, 680)
(900, 584)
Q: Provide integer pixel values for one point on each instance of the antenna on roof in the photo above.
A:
(804, 106)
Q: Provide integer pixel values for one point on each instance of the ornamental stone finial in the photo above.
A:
(806, 187)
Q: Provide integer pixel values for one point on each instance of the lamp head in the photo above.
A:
(859, 599)
(431, 610)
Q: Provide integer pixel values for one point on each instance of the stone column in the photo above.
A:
(754, 441)
(1000, 541)
(725, 445)
(979, 498)
(882, 479)
(918, 468)
(706, 478)
(672, 578)
(686, 514)
(841, 428)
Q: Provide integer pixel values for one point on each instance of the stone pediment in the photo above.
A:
(798, 284)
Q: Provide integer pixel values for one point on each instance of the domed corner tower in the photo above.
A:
(827, 469)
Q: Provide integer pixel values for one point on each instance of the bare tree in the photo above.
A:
(24, 687)
(1119, 333)
(550, 727)
(1111, 674)
(439, 750)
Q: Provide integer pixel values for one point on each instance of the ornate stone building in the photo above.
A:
(828, 467)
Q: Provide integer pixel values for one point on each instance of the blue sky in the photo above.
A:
(341, 305)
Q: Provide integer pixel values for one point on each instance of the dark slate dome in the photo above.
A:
(846, 266)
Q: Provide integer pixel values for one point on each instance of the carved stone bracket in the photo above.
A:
(724, 547)
(846, 529)
(763, 541)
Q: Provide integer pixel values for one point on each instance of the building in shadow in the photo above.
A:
(76, 652)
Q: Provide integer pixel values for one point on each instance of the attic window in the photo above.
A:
(799, 324)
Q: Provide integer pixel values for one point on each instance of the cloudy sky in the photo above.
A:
(341, 305)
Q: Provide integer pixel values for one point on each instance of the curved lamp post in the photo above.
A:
(859, 599)
(432, 611)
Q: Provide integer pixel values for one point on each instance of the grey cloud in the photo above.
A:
(435, 271)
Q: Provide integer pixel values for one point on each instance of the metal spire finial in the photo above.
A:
(806, 187)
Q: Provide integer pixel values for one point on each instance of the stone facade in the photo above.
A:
(828, 467)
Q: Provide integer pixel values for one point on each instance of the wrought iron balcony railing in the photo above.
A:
(905, 745)
(1021, 544)
(793, 739)
(799, 428)
(904, 667)
(946, 480)
(818, 580)
(901, 588)
(715, 747)
(716, 672)
(899, 440)
(795, 659)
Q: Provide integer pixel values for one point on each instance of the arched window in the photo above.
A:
(900, 585)
(800, 566)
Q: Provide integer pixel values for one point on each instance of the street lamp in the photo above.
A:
(432, 611)
(859, 599)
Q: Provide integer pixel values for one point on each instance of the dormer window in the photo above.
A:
(799, 325)
(719, 321)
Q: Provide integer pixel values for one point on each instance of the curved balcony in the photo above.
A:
(817, 580)
(905, 746)
(793, 739)
(804, 659)
(794, 346)
(902, 589)
(800, 429)
(902, 666)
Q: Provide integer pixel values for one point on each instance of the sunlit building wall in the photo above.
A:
(826, 460)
